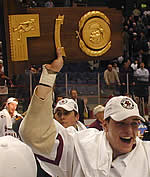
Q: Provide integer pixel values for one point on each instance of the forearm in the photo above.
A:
(38, 129)
(42, 91)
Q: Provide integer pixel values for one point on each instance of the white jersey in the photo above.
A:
(6, 122)
(80, 126)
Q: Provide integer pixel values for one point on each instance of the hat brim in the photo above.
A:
(125, 117)
(64, 107)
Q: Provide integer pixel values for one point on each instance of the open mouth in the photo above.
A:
(126, 139)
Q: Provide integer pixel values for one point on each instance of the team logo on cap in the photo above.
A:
(2, 116)
(63, 102)
(127, 103)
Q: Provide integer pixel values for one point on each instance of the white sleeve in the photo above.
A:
(37, 128)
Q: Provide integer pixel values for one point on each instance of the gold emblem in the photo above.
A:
(23, 27)
(20, 28)
(94, 33)
(59, 22)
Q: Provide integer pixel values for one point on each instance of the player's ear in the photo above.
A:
(105, 125)
(77, 117)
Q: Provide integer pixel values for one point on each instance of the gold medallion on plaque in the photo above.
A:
(94, 33)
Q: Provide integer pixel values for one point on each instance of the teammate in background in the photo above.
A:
(8, 116)
(98, 112)
(67, 114)
(116, 151)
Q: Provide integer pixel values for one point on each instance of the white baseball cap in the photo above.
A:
(97, 109)
(67, 104)
(16, 158)
(12, 100)
(120, 108)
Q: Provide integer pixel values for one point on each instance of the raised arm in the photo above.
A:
(48, 75)
(38, 129)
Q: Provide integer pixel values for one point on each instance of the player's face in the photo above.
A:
(11, 107)
(66, 118)
(122, 134)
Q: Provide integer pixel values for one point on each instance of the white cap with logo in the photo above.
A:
(67, 104)
(120, 108)
(12, 100)
(16, 158)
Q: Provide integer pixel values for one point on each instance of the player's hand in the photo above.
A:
(57, 64)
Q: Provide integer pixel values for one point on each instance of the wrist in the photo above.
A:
(47, 77)
(50, 71)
